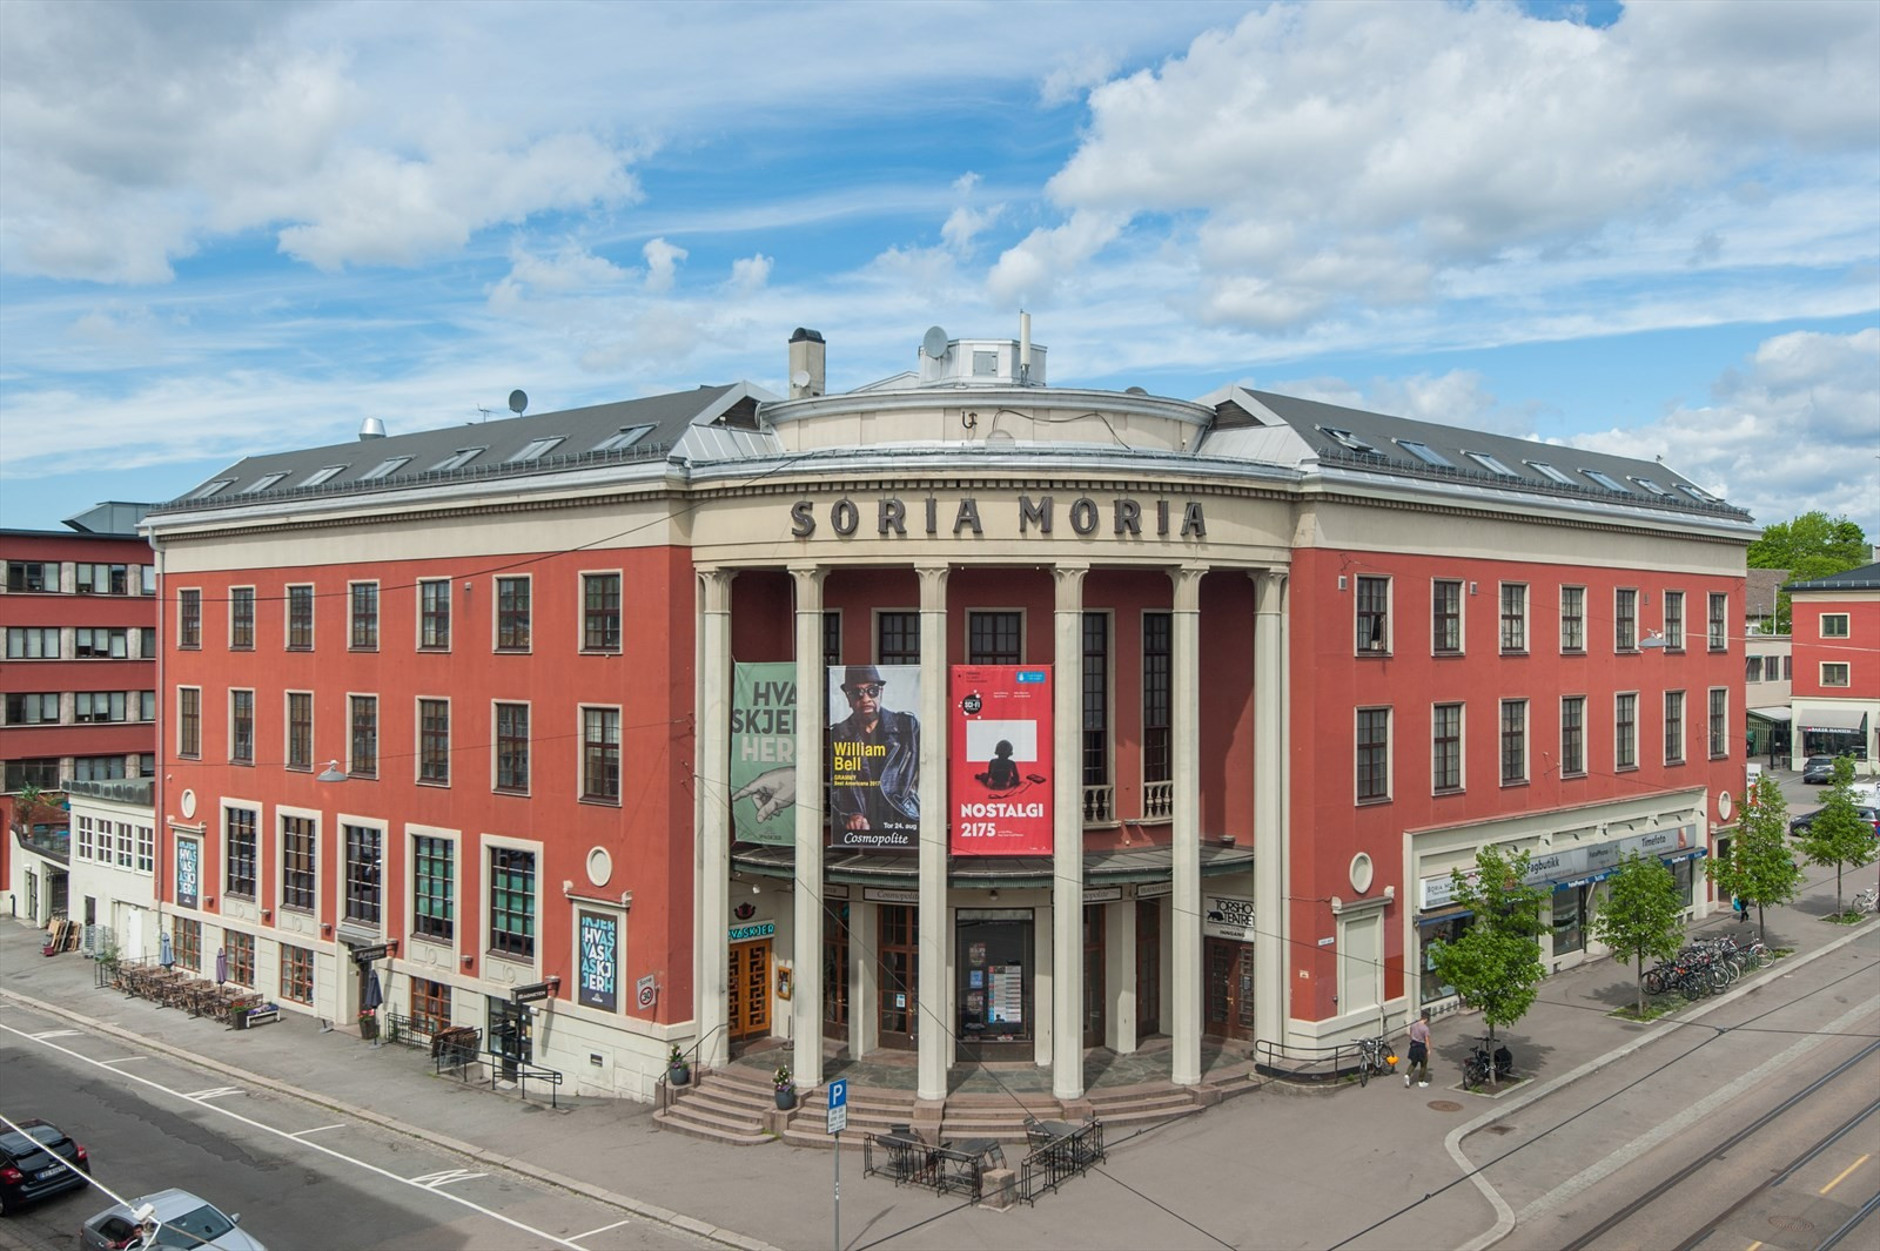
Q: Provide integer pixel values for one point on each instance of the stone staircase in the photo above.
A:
(724, 1105)
(871, 1111)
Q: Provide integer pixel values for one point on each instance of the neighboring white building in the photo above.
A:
(112, 886)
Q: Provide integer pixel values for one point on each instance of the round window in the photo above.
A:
(600, 866)
(1361, 873)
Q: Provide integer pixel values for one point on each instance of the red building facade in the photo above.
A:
(1835, 696)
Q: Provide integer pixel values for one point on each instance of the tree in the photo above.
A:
(1643, 914)
(1839, 835)
(1760, 868)
(1811, 546)
(1495, 965)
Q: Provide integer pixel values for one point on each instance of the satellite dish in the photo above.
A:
(518, 400)
(934, 343)
(800, 378)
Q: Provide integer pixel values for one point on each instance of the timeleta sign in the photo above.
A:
(890, 517)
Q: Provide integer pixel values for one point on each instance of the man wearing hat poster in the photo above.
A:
(874, 766)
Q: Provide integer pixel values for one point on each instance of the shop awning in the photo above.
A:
(1101, 868)
(1779, 715)
(1832, 720)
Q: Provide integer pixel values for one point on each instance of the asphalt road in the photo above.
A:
(301, 1176)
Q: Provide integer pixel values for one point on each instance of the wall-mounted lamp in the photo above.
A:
(208, 901)
(468, 959)
(326, 928)
(1652, 639)
(993, 894)
(756, 889)
(332, 773)
(267, 914)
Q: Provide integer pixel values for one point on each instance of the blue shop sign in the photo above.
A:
(757, 929)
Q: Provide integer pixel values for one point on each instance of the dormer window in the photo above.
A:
(1546, 470)
(1347, 440)
(1492, 464)
(457, 459)
(262, 483)
(1653, 487)
(207, 489)
(1604, 479)
(1425, 453)
(626, 437)
(535, 450)
(384, 469)
(1698, 493)
(321, 475)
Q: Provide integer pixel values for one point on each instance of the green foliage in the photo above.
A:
(1495, 965)
(1839, 835)
(1809, 547)
(1643, 913)
(1760, 868)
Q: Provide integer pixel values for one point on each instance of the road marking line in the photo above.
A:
(1844, 1172)
(1754, 1246)
(213, 1092)
(56, 1033)
(123, 1059)
(603, 1229)
(317, 1129)
(431, 1181)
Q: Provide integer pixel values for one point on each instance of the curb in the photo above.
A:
(648, 1211)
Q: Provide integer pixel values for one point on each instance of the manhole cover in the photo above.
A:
(1445, 1105)
(1792, 1224)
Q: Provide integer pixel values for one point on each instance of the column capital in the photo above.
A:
(1187, 580)
(808, 577)
(1269, 588)
(933, 586)
(716, 585)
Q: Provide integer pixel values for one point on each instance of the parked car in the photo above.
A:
(1799, 826)
(186, 1220)
(38, 1160)
(1818, 770)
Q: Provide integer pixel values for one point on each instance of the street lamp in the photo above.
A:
(331, 773)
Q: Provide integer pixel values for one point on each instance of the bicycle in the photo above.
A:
(1868, 900)
(1475, 1070)
(1374, 1054)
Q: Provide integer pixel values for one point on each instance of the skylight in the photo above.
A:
(1425, 453)
(321, 475)
(536, 449)
(1546, 470)
(1604, 479)
(1346, 439)
(1698, 493)
(384, 469)
(626, 437)
(1491, 464)
(262, 483)
(1651, 486)
(457, 459)
(207, 489)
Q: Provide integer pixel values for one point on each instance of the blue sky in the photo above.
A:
(1652, 229)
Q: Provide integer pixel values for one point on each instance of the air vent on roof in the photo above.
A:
(371, 428)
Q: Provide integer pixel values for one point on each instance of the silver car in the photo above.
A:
(182, 1219)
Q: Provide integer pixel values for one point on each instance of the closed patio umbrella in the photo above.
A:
(221, 965)
(374, 996)
(166, 952)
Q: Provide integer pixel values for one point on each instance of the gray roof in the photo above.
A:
(1864, 578)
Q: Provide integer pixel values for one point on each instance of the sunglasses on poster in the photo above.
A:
(870, 690)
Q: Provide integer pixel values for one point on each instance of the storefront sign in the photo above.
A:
(1154, 890)
(874, 757)
(534, 992)
(1103, 894)
(1121, 517)
(1571, 866)
(366, 955)
(600, 961)
(188, 873)
(763, 753)
(1001, 760)
(759, 929)
(1227, 916)
(890, 894)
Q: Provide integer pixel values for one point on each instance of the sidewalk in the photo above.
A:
(1304, 1167)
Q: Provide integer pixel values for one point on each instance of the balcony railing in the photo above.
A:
(1158, 801)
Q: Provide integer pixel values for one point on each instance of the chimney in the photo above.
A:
(807, 353)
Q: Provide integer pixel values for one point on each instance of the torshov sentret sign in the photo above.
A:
(1120, 517)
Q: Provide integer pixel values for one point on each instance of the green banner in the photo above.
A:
(763, 752)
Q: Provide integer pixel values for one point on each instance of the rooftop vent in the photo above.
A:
(371, 428)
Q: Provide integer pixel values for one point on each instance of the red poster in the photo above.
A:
(1000, 792)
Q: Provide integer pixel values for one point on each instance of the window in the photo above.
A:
(365, 736)
(897, 638)
(1674, 621)
(1373, 749)
(430, 1006)
(534, 450)
(189, 722)
(1698, 493)
(1446, 747)
(1834, 625)
(298, 867)
(362, 873)
(189, 620)
(1719, 723)
(995, 638)
(1446, 617)
(600, 612)
(1625, 620)
(434, 614)
(299, 730)
(1425, 453)
(1158, 764)
(262, 483)
(93, 707)
(147, 578)
(147, 762)
(512, 748)
(125, 841)
(1373, 614)
(322, 474)
(300, 618)
(433, 887)
(512, 614)
(102, 579)
(1753, 668)
(1569, 919)
(1625, 731)
(1718, 638)
(1552, 474)
(457, 459)
(1834, 673)
(98, 769)
(1573, 736)
(241, 957)
(42, 772)
(146, 848)
(434, 741)
(296, 974)
(241, 726)
(1493, 464)
(86, 830)
(1513, 617)
(239, 851)
(600, 754)
(363, 599)
(39, 708)
(101, 643)
(146, 705)
(384, 469)
(147, 642)
(1347, 440)
(1572, 618)
(241, 619)
(1604, 479)
(189, 944)
(626, 437)
(1788, 668)
(1096, 697)
(32, 576)
(32, 642)
(512, 902)
(207, 489)
(1513, 741)
(1674, 727)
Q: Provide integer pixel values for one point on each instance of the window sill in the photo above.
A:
(434, 651)
(305, 647)
(511, 791)
(367, 651)
(436, 784)
(510, 957)
(443, 943)
(512, 651)
(600, 801)
(1516, 652)
(1515, 784)
(1372, 801)
(1445, 791)
(600, 651)
(363, 777)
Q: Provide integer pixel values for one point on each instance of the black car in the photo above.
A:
(1799, 826)
(37, 1160)
(1818, 770)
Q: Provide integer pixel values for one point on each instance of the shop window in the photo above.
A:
(187, 944)
(296, 974)
(239, 845)
(1430, 933)
(241, 957)
(430, 1006)
(1570, 918)
(362, 873)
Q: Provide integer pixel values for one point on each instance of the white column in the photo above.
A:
(1185, 909)
(1271, 987)
(1067, 844)
(1119, 943)
(806, 1008)
(711, 868)
(930, 1001)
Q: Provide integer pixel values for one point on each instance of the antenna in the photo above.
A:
(518, 400)
(934, 343)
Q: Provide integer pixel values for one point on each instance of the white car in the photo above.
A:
(183, 1220)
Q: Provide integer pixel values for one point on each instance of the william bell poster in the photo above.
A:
(874, 756)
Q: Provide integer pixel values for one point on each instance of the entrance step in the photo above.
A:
(721, 1107)
(1142, 1105)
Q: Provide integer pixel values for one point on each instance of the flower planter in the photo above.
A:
(681, 1075)
(786, 1098)
(368, 1027)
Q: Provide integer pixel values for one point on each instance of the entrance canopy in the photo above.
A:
(1832, 720)
(1106, 868)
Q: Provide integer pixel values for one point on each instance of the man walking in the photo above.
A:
(1419, 1051)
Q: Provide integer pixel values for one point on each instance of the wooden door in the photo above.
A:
(899, 981)
(1095, 996)
(1148, 968)
(748, 1013)
(1228, 995)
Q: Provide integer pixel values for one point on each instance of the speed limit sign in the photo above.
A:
(648, 990)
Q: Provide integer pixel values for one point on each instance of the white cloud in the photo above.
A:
(570, 269)
(1075, 73)
(1031, 271)
(751, 273)
(662, 264)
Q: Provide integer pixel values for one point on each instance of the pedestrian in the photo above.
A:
(1742, 908)
(1419, 1051)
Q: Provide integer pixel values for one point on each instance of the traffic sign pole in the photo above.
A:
(838, 1121)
